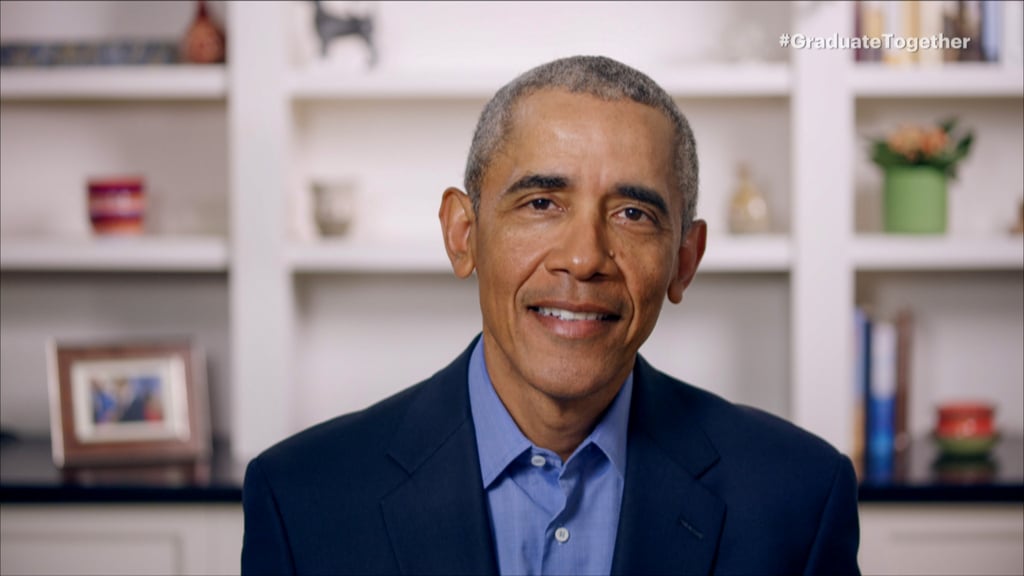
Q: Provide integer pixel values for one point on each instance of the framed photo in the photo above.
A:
(127, 403)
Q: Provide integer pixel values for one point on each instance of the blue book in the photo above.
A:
(882, 397)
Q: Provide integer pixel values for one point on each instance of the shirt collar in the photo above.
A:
(500, 441)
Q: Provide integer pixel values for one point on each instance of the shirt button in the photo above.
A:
(538, 460)
(562, 535)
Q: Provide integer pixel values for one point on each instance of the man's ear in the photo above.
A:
(690, 253)
(458, 223)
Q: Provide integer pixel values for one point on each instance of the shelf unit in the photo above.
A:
(295, 301)
(964, 288)
(63, 125)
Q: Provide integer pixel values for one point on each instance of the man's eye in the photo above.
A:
(540, 203)
(634, 214)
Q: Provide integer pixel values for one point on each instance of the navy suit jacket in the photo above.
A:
(711, 487)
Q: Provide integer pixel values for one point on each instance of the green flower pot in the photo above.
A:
(915, 200)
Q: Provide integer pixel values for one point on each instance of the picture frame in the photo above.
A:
(127, 403)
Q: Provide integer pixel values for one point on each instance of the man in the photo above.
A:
(549, 445)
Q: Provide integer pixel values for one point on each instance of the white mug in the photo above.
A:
(334, 206)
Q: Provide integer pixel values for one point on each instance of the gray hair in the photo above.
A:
(597, 76)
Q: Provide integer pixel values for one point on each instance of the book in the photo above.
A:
(861, 359)
(1012, 38)
(873, 26)
(882, 397)
(904, 330)
(991, 30)
(929, 20)
(970, 27)
(950, 28)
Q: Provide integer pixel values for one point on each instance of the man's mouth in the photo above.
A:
(571, 316)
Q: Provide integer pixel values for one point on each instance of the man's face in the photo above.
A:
(577, 242)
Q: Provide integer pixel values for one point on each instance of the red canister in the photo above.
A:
(965, 420)
(116, 205)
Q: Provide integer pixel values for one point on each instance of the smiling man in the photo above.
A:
(550, 446)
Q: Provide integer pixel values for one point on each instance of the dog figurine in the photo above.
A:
(328, 27)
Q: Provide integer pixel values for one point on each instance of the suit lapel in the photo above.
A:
(437, 519)
(670, 523)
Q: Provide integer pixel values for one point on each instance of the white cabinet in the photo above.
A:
(941, 539)
(120, 539)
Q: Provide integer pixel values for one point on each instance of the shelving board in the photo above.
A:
(724, 255)
(754, 253)
(115, 254)
(706, 81)
(886, 252)
(158, 82)
(946, 81)
(348, 256)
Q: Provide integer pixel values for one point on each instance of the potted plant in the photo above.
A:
(917, 161)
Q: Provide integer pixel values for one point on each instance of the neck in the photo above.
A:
(556, 424)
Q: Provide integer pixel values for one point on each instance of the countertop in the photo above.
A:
(28, 475)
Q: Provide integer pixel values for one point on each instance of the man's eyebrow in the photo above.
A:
(645, 195)
(539, 182)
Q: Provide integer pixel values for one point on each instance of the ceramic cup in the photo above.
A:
(334, 206)
(965, 420)
(116, 205)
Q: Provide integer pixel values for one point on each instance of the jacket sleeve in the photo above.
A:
(265, 548)
(835, 547)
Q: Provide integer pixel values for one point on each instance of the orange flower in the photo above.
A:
(907, 141)
(934, 142)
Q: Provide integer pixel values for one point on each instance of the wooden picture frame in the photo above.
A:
(127, 403)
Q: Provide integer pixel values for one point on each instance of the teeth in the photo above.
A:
(570, 315)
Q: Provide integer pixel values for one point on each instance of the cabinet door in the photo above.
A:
(942, 539)
(97, 539)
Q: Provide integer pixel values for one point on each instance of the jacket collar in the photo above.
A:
(670, 523)
(437, 519)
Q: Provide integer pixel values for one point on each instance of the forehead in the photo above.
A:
(557, 131)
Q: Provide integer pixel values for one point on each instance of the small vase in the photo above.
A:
(204, 41)
(748, 209)
(915, 200)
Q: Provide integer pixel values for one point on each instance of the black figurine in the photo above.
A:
(329, 27)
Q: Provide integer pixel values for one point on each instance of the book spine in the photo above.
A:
(951, 28)
(873, 23)
(970, 27)
(860, 383)
(930, 21)
(894, 28)
(904, 329)
(882, 404)
(991, 30)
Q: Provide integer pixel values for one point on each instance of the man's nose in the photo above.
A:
(583, 249)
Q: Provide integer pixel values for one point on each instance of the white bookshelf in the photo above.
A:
(762, 80)
(745, 254)
(114, 254)
(947, 81)
(402, 131)
(945, 253)
(354, 257)
(163, 82)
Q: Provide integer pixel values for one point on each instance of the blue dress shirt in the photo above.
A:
(549, 517)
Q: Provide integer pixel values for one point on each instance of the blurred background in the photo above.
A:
(265, 183)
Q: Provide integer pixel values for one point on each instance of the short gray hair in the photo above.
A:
(597, 76)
